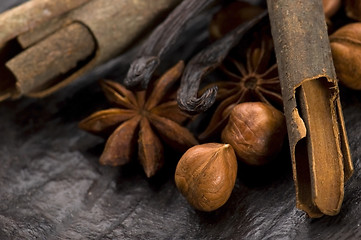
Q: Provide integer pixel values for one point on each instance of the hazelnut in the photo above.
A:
(346, 52)
(256, 131)
(330, 7)
(206, 175)
(353, 9)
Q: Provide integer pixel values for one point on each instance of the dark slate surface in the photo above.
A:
(52, 187)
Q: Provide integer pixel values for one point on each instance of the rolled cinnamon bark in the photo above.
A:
(317, 136)
(107, 28)
(33, 13)
(35, 68)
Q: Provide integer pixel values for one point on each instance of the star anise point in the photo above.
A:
(141, 115)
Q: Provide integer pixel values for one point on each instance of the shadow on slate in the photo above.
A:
(52, 187)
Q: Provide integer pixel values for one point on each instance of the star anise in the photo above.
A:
(255, 80)
(141, 115)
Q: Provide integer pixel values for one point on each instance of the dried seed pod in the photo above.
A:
(353, 9)
(206, 175)
(256, 132)
(346, 52)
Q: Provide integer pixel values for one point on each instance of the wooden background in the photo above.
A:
(52, 187)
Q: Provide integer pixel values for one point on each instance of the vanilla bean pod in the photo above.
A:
(318, 142)
(205, 62)
(160, 41)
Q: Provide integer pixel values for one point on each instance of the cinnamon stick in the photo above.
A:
(318, 141)
(42, 31)
(108, 27)
(33, 13)
(51, 58)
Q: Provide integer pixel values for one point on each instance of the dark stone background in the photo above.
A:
(52, 187)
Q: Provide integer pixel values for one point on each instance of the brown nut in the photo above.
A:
(346, 52)
(256, 132)
(206, 175)
(353, 9)
(330, 7)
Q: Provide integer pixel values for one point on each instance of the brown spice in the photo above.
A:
(205, 62)
(160, 41)
(148, 113)
(31, 26)
(316, 130)
(40, 66)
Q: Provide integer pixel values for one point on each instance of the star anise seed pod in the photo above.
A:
(141, 115)
(256, 80)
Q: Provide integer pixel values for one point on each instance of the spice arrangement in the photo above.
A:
(272, 77)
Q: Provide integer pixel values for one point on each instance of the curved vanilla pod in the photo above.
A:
(160, 41)
(205, 62)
